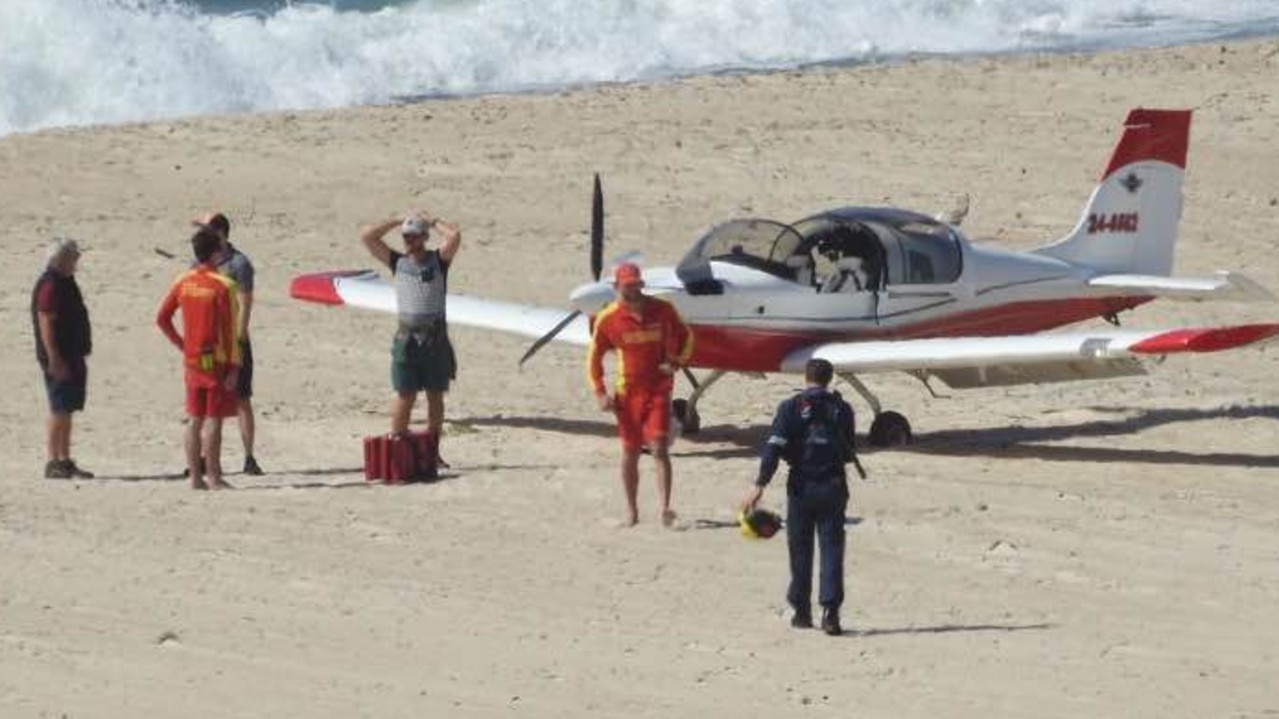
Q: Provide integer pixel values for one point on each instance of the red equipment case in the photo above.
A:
(400, 458)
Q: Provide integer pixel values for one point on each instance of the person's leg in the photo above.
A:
(59, 434)
(247, 420)
(831, 538)
(212, 444)
(799, 545)
(662, 461)
(434, 411)
(191, 442)
(248, 426)
(630, 484)
(401, 410)
(657, 432)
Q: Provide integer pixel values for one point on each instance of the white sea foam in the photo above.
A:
(72, 62)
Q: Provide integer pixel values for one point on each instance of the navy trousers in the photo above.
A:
(816, 508)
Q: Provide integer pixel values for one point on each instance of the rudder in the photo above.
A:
(1130, 223)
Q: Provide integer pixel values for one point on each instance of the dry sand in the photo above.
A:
(1093, 549)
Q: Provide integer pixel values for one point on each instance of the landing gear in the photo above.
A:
(889, 429)
(685, 410)
(690, 422)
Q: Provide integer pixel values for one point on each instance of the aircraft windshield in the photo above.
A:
(760, 244)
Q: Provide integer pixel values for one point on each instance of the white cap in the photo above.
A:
(414, 225)
(61, 247)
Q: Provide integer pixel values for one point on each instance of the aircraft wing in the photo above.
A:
(1230, 286)
(366, 289)
(963, 362)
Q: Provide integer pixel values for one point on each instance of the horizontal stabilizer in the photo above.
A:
(1224, 286)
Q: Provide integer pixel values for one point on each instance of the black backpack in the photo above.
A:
(820, 445)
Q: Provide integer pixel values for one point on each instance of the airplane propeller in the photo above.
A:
(597, 267)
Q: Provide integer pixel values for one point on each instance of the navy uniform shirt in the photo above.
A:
(813, 432)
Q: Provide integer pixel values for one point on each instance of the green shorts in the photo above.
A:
(418, 365)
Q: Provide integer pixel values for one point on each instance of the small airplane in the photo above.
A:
(877, 289)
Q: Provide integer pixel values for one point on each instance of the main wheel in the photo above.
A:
(889, 429)
(689, 421)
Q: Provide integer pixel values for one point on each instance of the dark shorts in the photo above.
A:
(244, 382)
(418, 366)
(67, 396)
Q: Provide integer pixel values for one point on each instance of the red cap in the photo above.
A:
(627, 273)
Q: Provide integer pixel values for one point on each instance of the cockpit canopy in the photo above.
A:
(887, 246)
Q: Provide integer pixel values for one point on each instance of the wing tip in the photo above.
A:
(1213, 339)
(318, 287)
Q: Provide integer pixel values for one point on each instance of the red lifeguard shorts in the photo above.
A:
(216, 401)
(643, 418)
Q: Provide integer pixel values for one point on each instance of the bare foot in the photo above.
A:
(668, 518)
(220, 484)
(198, 484)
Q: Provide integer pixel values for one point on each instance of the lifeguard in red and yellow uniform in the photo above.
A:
(652, 343)
(210, 355)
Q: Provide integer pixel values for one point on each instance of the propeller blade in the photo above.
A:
(597, 230)
(549, 335)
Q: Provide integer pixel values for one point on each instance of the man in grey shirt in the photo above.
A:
(236, 265)
(422, 357)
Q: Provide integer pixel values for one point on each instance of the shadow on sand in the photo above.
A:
(944, 629)
(1019, 442)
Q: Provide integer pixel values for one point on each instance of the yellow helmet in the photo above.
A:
(759, 523)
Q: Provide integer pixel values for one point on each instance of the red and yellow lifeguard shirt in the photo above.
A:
(210, 315)
(643, 341)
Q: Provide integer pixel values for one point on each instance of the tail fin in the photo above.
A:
(1130, 222)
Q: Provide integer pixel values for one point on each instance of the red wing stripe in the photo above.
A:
(1205, 339)
(319, 287)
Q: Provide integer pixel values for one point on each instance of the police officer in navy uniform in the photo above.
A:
(813, 432)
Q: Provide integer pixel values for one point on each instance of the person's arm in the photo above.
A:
(245, 303)
(373, 242)
(595, 364)
(451, 239)
(849, 435)
(57, 365)
(679, 347)
(228, 333)
(164, 317)
(769, 457)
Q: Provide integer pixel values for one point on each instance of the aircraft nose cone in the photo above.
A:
(590, 298)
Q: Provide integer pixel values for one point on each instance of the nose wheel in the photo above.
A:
(889, 429)
(690, 422)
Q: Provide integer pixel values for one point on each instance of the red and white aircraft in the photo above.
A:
(876, 289)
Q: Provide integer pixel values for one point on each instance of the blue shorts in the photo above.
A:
(67, 396)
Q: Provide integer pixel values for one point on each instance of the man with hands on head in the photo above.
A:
(422, 358)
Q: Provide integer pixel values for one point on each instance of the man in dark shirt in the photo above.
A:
(63, 340)
(813, 432)
(235, 264)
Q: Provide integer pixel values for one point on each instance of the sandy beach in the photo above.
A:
(1089, 549)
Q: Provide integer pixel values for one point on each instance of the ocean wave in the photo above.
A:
(75, 62)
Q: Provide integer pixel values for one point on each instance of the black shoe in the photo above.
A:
(251, 467)
(830, 622)
(74, 471)
(55, 469)
(802, 620)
